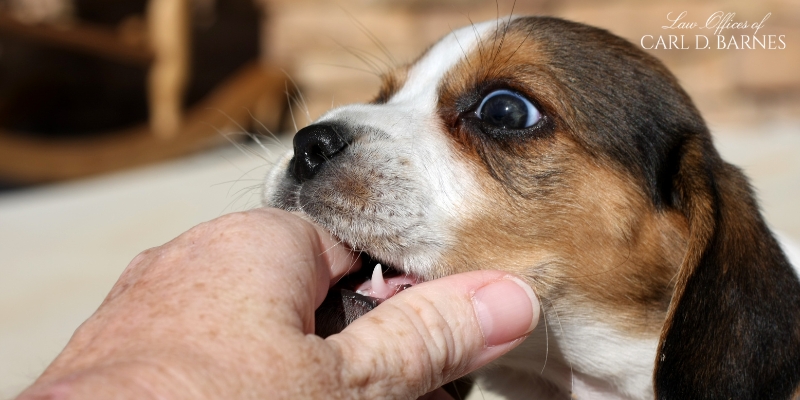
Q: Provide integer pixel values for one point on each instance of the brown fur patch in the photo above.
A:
(391, 82)
(732, 329)
(595, 243)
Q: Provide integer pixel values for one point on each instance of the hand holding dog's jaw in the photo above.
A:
(226, 311)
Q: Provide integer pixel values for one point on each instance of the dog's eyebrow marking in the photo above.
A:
(421, 80)
(460, 46)
(424, 77)
(391, 82)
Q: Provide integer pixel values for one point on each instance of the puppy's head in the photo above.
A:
(546, 148)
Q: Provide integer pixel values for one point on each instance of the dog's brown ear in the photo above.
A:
(733, 326)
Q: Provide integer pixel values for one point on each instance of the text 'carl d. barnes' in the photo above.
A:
(719, 21)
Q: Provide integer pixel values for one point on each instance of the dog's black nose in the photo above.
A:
(314, 145)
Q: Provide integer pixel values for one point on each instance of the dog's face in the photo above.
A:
(538, 146)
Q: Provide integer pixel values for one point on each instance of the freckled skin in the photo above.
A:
(226, 311)
(218, 303)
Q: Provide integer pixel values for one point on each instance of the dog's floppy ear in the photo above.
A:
(733, 325)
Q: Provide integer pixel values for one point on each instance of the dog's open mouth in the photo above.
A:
(383, 282)
(357, 293)
(376, 281)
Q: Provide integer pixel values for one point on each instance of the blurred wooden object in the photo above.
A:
(99, 41)
(168, 28)
(32, 160)
(161, 42)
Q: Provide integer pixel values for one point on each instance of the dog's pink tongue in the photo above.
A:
(381, 288)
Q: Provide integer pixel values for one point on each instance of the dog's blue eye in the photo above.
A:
(508, 110)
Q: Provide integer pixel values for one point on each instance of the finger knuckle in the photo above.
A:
(436, 335)
(420, 353)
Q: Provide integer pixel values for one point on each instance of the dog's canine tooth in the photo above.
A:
(379, 287)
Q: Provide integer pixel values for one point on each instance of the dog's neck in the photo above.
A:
(574, 358)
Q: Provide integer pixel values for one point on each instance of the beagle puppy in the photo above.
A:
(566, 155)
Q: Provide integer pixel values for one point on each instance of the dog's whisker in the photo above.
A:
(238, 145)
(377, 42)
(500, 36)
(252, 190)
(561, 327)
(295, 99)
(264, 152)
(247, 150)
(463, 52)
(377, 64)
(338, 242)
(267, 150)
(365, 59)
(291, 111)
(248, 189)
(244, 190)
(480, 389)
(511, 14)
(235, 181)
(350, 67)
(299, 92)
(241, 180)
(235, 122)
(522, 42)
(333, 246)
(546, 337)
(295, 102)
(352, 263)
(269, 134)
(241, 194)
(374, 60)
(496, 24)
(478, 37)
(458, 395)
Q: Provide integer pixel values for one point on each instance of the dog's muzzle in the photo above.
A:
(361, 291)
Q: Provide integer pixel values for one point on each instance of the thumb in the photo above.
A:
(435, 332)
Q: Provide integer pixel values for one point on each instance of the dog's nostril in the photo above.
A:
(314, 145)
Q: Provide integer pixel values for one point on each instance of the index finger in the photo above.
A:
(298, 246)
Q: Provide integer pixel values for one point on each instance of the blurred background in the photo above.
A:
(124, 123)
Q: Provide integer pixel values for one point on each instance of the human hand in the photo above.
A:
(226, 310)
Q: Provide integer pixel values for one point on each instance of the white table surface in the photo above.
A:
(63, 246)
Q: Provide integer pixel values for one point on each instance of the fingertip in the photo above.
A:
(506, 310)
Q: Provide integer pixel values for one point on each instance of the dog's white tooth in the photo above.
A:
(379, 286)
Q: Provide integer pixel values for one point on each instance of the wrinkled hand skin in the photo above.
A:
(216, 313)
